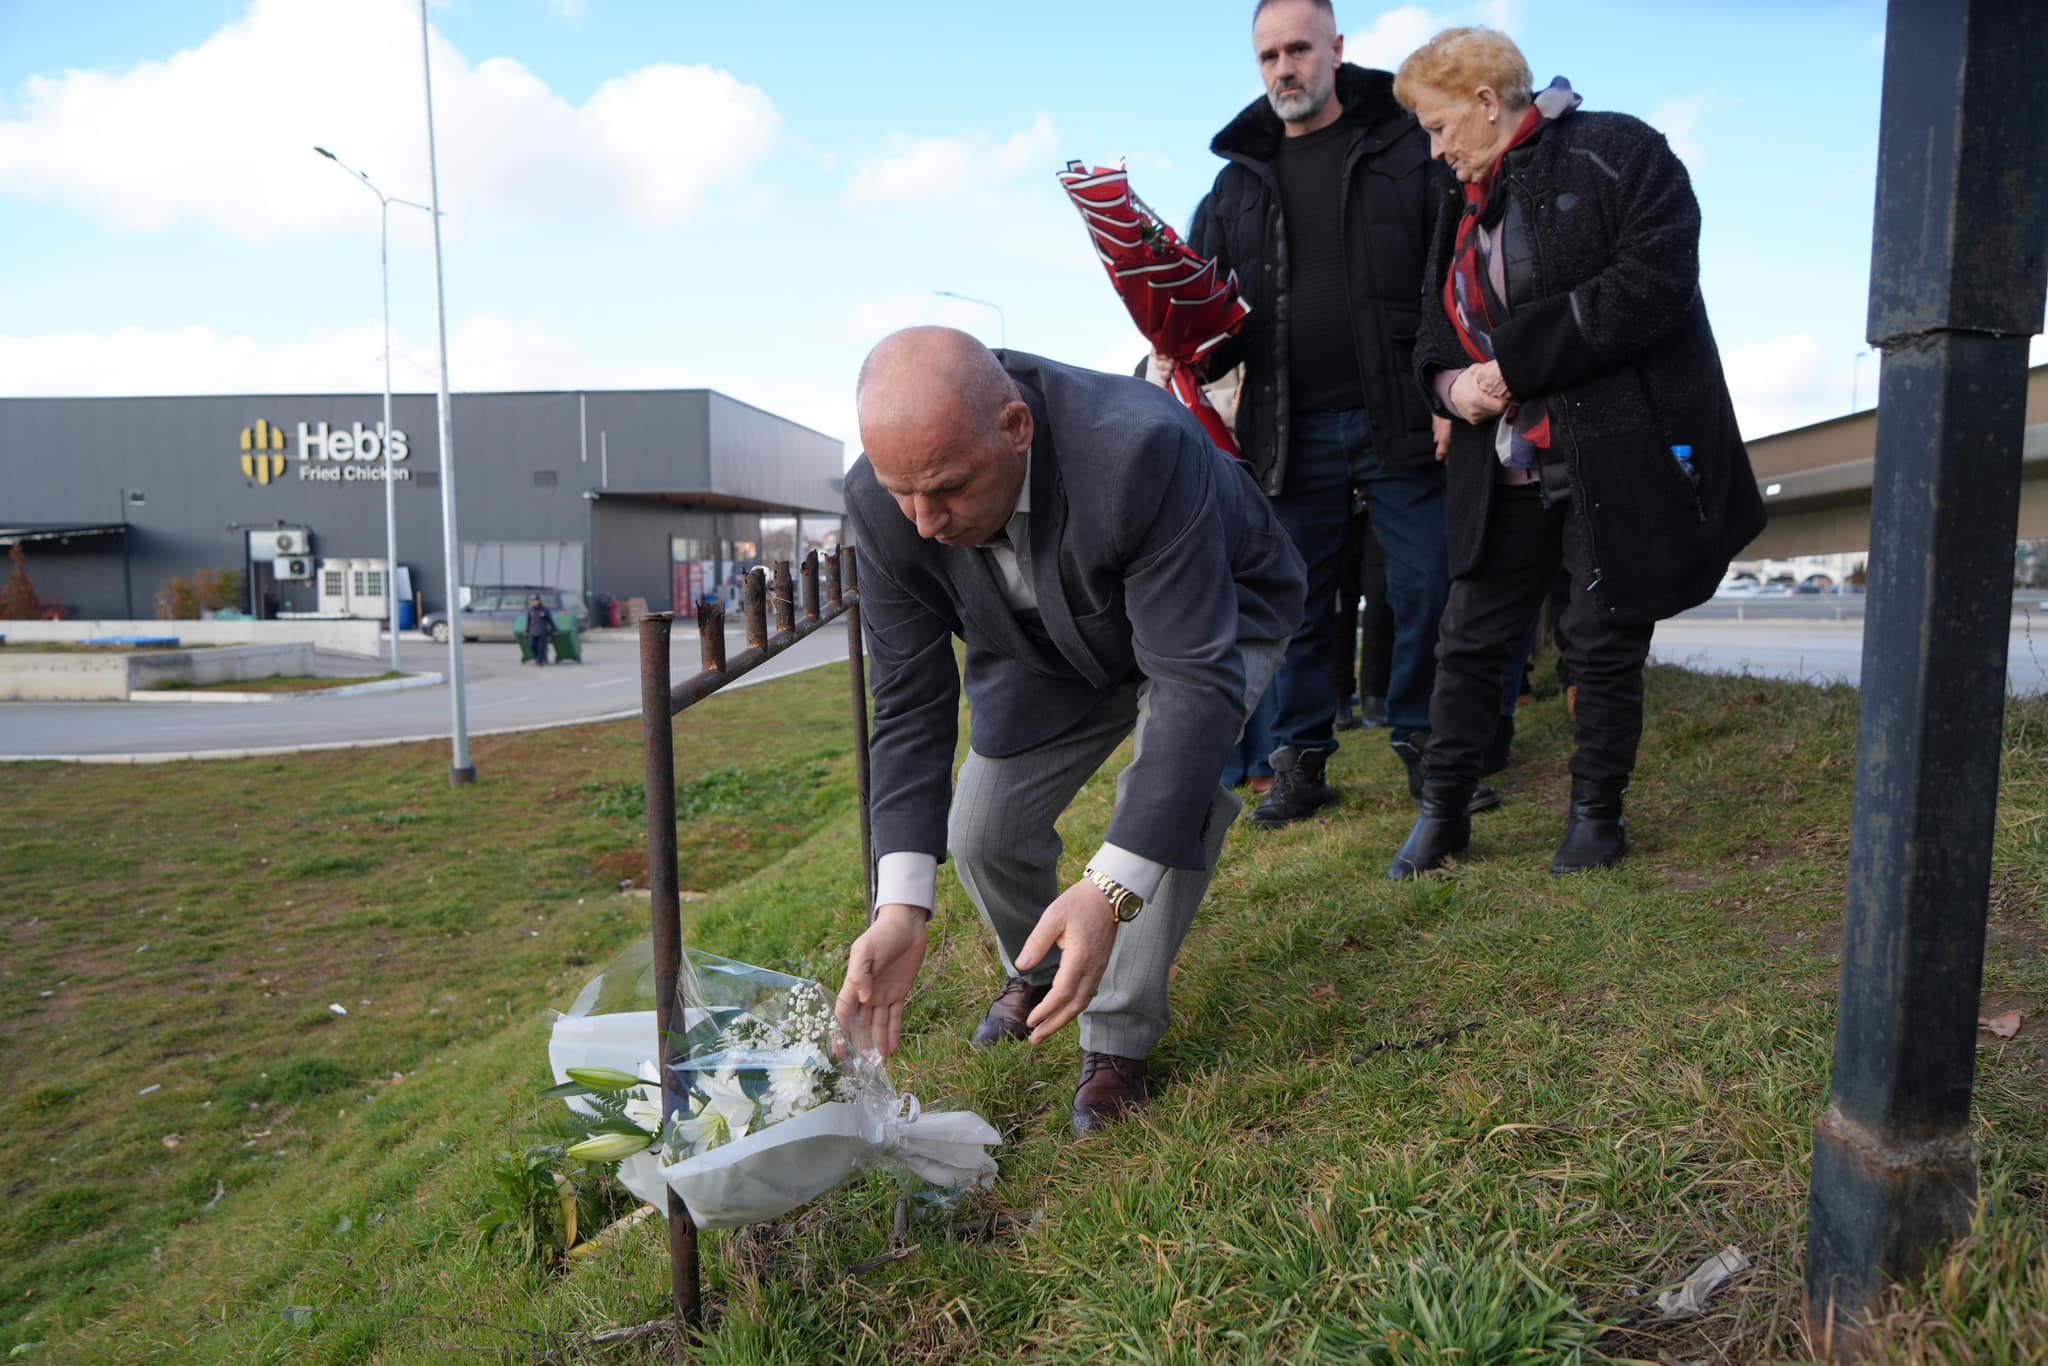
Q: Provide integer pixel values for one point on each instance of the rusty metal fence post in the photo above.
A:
(1959, 271)
(660, 701)
(657, 724)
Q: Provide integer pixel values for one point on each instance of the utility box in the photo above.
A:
(353, 588)
(278, 542)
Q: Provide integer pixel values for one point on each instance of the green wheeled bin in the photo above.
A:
(565, 643)
(567, 640)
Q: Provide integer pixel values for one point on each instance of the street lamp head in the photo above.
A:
(325, 153)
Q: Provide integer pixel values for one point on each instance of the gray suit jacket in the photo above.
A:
(1153, 554)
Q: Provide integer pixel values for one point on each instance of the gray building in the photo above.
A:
(657, 494)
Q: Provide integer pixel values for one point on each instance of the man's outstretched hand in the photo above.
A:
(879, 971)
(1083, 926)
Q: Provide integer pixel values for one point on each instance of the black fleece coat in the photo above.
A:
(1607, 328)
(1388, 207)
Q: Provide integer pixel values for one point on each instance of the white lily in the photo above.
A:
(723, 1113)
(643, 1106)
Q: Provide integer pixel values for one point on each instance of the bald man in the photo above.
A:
(1111, 572)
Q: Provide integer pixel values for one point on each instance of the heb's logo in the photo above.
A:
(262, 452)
(355, 446)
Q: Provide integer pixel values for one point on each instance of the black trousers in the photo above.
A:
(1363, 671)
(1490, 610)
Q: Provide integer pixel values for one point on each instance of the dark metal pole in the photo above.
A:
(657, 723)
(848, 578)
(1958, 276)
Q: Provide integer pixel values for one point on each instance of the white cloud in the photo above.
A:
(873, 319)
(1392, 36)
(912, 170)
(486, 351)
(1791, 380)
(1389, 39)
(222, 133)
(572, 10)
(1677, 118)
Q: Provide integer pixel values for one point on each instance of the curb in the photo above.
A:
(309, 695)
(275, 751)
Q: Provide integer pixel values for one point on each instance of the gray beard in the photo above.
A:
(1297, 106)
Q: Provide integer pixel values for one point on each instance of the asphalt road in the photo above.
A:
(1816, 639)
(1806, 644)
(503, 695)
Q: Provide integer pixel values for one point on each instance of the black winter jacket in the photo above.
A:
(1606, 326)
(1388, 209)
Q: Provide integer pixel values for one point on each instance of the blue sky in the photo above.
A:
(746, 196)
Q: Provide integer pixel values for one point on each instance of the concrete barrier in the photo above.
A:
(111, 677)
(343, 635)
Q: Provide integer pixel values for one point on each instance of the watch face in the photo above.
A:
(1127, 908)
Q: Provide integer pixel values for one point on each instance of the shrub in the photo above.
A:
(18, 601)
(177, 600)
(219, 589)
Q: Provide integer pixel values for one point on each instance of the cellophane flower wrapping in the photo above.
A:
(1181, 302)
(767, 1105)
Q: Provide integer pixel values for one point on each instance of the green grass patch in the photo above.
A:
(279, 683)
(1482, 1118)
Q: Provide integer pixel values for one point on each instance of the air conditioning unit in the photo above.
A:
(293, 566)
(292, 541)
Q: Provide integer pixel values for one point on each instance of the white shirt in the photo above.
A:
(909, 878)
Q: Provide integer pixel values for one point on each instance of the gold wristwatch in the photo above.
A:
(1124, 903)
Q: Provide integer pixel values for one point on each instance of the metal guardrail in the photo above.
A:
(660, 701)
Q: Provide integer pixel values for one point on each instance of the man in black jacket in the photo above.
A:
(1325, 213)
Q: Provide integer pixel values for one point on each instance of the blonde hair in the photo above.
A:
(1459, 60)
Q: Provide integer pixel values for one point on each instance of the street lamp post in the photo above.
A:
(1002, 321)
(384, 203)
(1855, 375)
(462, 772)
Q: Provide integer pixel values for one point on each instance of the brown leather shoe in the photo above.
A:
(1006, 1016)
(1111, 1087)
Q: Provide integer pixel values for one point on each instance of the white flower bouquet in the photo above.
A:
(768, 1106)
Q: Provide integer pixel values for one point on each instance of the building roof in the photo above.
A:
(42, 531)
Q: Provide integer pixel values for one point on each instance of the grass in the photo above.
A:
(1481, 1118)
(279, 683)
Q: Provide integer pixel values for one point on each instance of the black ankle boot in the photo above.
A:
(1442, 830)
(1298, 787)
(1484, 798)
(1597, 836)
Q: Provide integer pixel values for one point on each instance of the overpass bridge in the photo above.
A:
(1816, 481)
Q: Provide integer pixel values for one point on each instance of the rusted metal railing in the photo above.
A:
(660, 701)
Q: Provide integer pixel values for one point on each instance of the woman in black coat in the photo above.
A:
(1564, 333)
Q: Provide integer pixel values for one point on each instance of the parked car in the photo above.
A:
(1817, 583)
(498, 612)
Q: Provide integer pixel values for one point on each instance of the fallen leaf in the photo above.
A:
(173, 1140)
(1325, 992)
(2004, 1026)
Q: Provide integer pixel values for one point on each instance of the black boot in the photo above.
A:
(1298, 787)
(1597, 836)
(1484, 798)
(1347, 714)
(1442, 830)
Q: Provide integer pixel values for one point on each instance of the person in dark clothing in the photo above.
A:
(1565, 332)
(1325, 211)
(539, 628)
(1365, 627)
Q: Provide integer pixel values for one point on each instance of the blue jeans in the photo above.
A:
(1328, 454)
(1250, 758)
